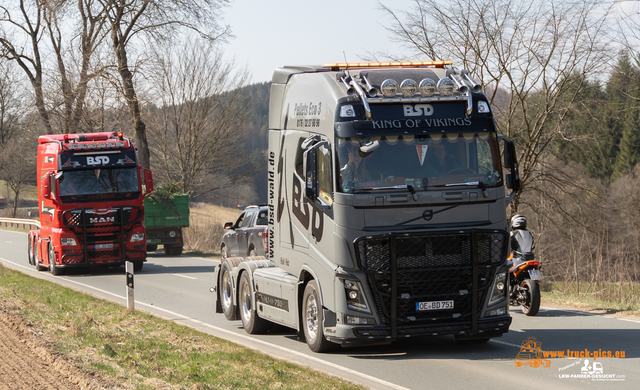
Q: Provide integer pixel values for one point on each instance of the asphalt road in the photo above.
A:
(177, 288)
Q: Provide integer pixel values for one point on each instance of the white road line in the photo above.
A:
(185, 276)
(245, 337)
(505, 343)
(9, 242)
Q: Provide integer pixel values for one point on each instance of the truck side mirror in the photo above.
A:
(146, 181)
(511, 163)
(228, 225)
(46, 185)
(310, 174)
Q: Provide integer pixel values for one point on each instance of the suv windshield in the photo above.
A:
(113, 182)
(423, 162)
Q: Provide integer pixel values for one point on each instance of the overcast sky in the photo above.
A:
(273, 33)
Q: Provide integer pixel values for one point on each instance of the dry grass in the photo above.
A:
(138, 351)
(205, 230)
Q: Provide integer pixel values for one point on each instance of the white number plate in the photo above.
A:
(104, 246)
(434, 305)
(535, 274)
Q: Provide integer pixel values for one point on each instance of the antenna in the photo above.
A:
(345, 57)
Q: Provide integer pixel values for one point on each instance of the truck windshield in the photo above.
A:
(99, 183)
(423, 162)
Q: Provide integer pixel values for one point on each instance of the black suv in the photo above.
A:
(248, 235)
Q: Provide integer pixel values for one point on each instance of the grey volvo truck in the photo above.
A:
(387, 209)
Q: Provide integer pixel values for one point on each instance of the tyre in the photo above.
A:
(30, 250)
(152, 248)
(137, 266)
(531, 290)
(226, 291)
(250, 321)
(224, 253)
(52, 262)
(252, 251)
(173, 250)
(36, 257)
(312, 319)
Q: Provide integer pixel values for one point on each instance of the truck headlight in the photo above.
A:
(355, 295)
(66, 241)
(137, 237)
(498, 291)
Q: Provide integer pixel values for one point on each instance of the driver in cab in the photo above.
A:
(441, 162)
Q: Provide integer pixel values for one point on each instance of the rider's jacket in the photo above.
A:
(522, 241)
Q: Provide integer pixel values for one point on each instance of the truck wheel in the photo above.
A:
(226, 291)
(312, 319)
(250, 321)
(137, 266)
(36, 256)
(152, 248)
(30, 250)
(252, 251)
(172, 250)
(223, 252)
(532, 292)
(52, 262)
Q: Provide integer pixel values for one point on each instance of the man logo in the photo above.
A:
(102, 220)
(99, 160)
(418, 110)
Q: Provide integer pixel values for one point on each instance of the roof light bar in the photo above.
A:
(437, 64)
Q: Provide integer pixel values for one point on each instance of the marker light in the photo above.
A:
(66, 138)
(445, 86)
(347, 111)
(120, 135)
(483, 107)
(389, 88)
(427, 87)
(409, 88)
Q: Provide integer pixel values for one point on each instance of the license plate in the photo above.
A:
(153, 241)
(104, 246)
(535, 274)
(434, 305)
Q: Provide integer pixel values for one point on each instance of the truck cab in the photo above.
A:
(387, 207)
(90, 192)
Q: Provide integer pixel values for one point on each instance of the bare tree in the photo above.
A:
(18, 172)
(12, 107)
(30, 31)
(160, 21)
(537, 53)
(201, 122)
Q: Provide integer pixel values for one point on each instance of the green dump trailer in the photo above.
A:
(164, 223)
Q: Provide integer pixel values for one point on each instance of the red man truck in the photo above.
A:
(90, 193)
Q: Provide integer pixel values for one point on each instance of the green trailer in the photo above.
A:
(164, 222)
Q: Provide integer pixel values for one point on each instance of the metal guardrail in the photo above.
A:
(19, 223)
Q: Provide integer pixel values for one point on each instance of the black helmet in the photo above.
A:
(519, 221)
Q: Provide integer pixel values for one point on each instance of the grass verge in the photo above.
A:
(139, 351)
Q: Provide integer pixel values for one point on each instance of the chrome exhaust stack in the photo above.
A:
(341, 76)
(460, 84)
(475, 87)
(371, 90)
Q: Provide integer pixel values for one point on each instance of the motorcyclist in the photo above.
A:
(521, 239)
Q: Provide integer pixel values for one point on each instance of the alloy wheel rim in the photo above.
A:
(312, 317)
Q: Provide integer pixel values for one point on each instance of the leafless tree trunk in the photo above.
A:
(158, 21)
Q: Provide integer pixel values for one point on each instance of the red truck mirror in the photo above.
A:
(46, 185)
(146, 181)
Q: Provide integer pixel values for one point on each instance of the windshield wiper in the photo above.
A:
(478, 184)
(400, 187)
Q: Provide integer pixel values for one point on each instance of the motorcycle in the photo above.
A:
(524, 283)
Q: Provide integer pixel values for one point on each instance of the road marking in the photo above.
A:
(9, 242)
(505, 343)
(245, 337)
(185, 276)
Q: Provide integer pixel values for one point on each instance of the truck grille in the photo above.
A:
(99, 227)
(404, 269)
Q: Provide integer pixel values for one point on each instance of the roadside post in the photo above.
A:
(129, 269)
